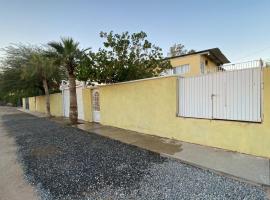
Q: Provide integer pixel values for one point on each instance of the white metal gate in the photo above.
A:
(66, 102)
(80, 102)
(229, 95)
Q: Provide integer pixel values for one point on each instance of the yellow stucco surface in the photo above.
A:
(149, 106)
(87, 104)
(194, 62)
(38, 104)
(56, 104)
(211, 66)
(32, 104)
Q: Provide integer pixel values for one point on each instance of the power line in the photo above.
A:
(251, 54)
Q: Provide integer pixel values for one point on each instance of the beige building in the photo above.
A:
(196, 63)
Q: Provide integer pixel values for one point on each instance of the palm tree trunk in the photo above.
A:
(73, 113)
(47, 94)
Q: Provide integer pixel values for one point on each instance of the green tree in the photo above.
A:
(125, 57)
(86, 70)
(68, 54)
(44, 69)
(178, 50)
(19, 78)
(12, 86)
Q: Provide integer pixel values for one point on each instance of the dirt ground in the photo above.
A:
(12, 183)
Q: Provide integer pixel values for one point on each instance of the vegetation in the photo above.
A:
(124, 57)
(33, 70)
(43, 68)
(20, 78)
(178, 50)
(67, 54)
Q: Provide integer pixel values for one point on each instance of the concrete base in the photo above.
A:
(246, 167)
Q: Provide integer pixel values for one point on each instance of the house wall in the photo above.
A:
(38, 104)
(150, 106)
(211, 65)
(41, 104)
(87, 104)
(56, 104)
(192, 60)
(32, 104)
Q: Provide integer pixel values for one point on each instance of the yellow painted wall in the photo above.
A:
(149, 106)
(87, 104)
(194, 62)
(32, 104)
(38, 104)
(211, 67)
(56, 104)
(41, 104)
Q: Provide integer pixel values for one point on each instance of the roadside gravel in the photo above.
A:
(68, 163)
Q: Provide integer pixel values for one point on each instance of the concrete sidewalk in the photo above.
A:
(246, 167)
(250, 168)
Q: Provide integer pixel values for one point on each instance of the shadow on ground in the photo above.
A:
(64, 161)
(67, 163)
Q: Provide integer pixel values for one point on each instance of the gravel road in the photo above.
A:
(67, 163)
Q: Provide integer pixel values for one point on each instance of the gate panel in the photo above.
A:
(195, 97)
(80, 103)
(230, 95)
(66, 102)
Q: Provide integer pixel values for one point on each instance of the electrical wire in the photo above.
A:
(249, 55)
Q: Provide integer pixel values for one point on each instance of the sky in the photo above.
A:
(240, 28)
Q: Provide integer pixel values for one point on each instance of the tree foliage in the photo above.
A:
(178, 50)
(124, 57)
(68, 54)
(18, 78)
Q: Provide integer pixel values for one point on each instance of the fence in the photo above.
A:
(229, 95)
(150, 106)
(66, 100)
(38, 104)
(243, 65)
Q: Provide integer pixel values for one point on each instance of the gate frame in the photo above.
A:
(212, 118)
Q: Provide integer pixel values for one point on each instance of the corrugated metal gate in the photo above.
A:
(228, 95)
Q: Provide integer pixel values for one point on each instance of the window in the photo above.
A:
(202, 68)
(167, 72)
(96, 101)
(183, 69)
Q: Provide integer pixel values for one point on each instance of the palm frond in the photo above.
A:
(57, 46)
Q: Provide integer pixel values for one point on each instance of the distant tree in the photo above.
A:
(69, 55)
(178, 50)
(19, 78)
(125, 57)
(44, 69)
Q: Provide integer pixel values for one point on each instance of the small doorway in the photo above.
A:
(96, 105)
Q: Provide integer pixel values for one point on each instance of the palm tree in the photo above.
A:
(43, 68)
(68, 54)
